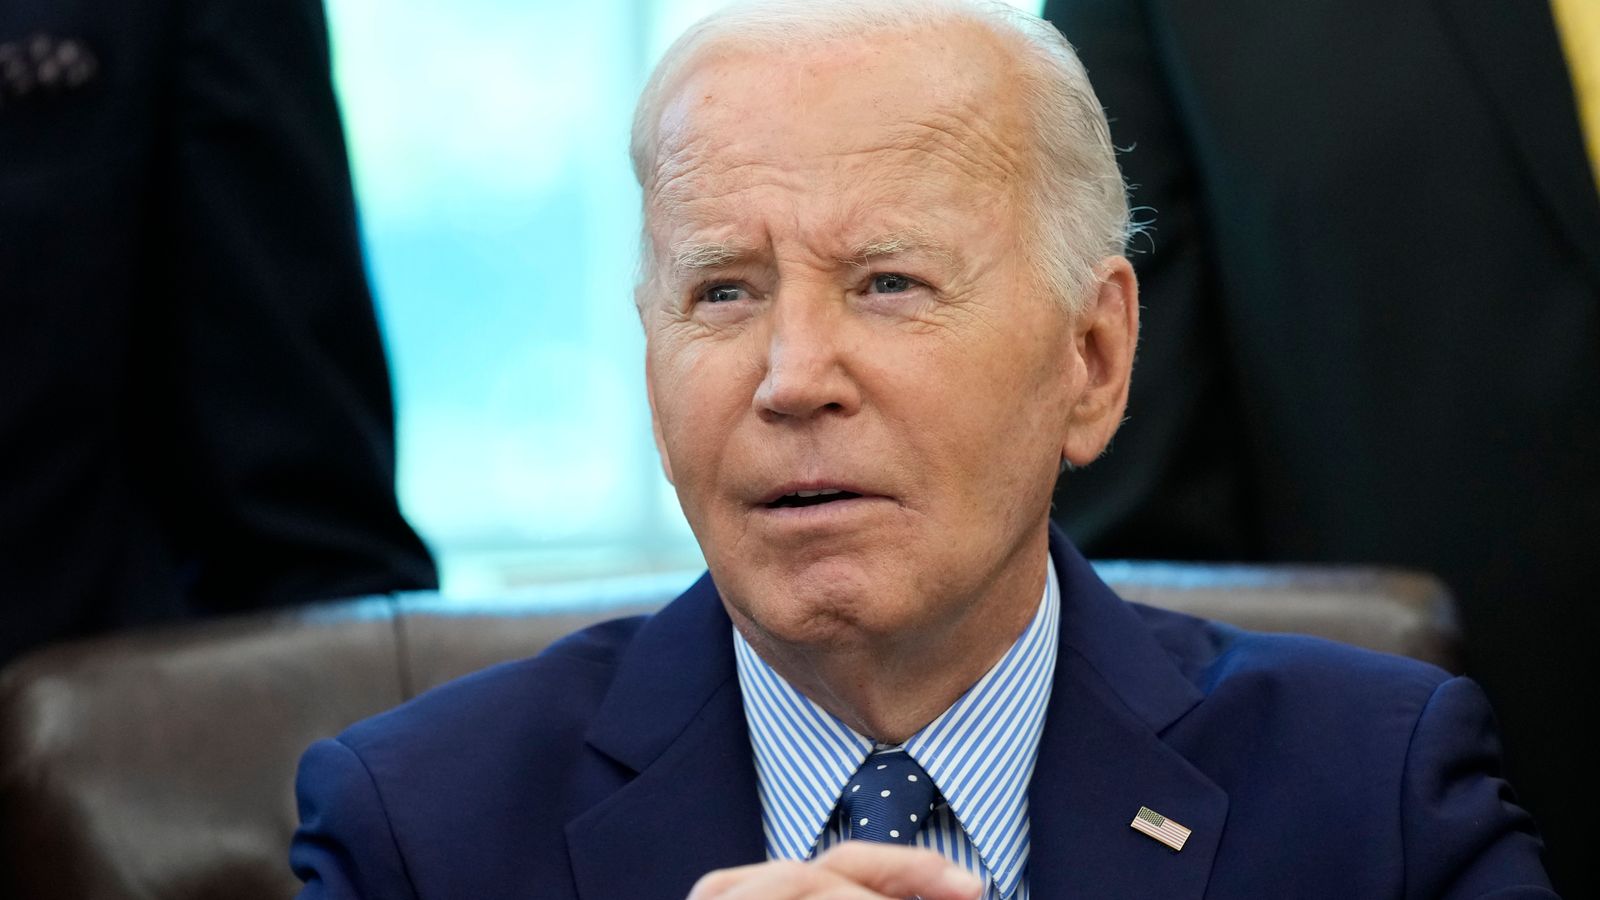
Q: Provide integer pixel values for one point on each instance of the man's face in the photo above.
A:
(844, 304)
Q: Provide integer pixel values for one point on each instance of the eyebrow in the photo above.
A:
(695, 256)
(689, 257)
(907, 242)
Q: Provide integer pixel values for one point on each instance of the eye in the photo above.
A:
(721, 293)
(892, 283)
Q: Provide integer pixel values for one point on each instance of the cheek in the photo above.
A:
(697, 405)
(1003, 415)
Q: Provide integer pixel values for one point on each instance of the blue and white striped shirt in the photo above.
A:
(980, 754)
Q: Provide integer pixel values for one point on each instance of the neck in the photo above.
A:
(890, 687)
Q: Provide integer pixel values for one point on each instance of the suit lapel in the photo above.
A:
(1515, 53)
(1100, 757)
(674, 716)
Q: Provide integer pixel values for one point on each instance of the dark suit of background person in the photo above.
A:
(1372, 326)
(195, 413)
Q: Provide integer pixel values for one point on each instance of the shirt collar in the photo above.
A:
(980, 752)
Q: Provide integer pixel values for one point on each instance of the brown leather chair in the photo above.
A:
(160, 764)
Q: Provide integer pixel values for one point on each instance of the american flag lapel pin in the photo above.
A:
(1163, 829)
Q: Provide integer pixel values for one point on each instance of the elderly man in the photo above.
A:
(885, 303)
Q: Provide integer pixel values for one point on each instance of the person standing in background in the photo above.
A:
(195, 412)
(1372, 327)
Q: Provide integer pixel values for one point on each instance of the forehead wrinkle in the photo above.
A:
(698, 195)
(693, 169)
(695, 166)
(972, 147)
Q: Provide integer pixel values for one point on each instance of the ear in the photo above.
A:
(655, 418)
(641, 293)
(1104, 337)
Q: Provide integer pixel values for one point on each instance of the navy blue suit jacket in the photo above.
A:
(617, 765)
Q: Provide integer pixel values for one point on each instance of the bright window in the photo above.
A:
(489, 144)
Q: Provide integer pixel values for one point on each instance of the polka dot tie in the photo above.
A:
(888, 799)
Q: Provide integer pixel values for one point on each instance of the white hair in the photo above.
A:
(1076, 201)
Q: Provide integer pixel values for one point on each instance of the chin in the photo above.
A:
(827, 601)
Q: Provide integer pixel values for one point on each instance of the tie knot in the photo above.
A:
(888, 799)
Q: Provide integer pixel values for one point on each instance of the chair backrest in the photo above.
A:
(160, 764)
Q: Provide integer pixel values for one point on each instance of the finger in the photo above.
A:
(780, 880)
(901, 871)
(846, 891)
(717, 884)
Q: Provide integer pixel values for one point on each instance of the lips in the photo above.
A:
(811, 498)
(794, 496)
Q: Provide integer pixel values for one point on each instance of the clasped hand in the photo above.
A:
(854, 870)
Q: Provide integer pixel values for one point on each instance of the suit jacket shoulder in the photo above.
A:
(564, 775)
(1210, 653)
(557, 690)
(1301, 767)
(470, 784)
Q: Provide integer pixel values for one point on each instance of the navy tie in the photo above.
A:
(888, 799)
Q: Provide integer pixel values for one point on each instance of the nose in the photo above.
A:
(807, 348)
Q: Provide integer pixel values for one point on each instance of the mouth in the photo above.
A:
(804, 498)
